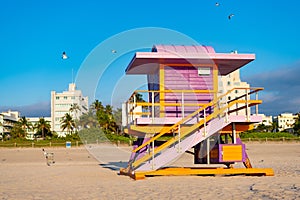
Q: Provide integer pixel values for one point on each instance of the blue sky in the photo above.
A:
(34, 33)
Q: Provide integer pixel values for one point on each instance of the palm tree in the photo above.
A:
(43, 126)
(118, 118)
(74, 109)
(25, 124)
(68, 123)
(106, 119)
(110, 121)
(17, 131)
(139, 97)
(88, 120)
(97, 105)
(274, 126)
(109, 110)
(297, 125)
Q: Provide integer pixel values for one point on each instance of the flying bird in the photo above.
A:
(64, 56)
(114, 51)
(230, 16)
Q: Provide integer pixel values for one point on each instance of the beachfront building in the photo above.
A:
(7, 121)
(286, 121)
(231, 81)
(61, 104)
(34, 121)
(1, 127)
(266, 120)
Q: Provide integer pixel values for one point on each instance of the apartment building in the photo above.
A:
(34, 121)
(7, 121)
(61, 104)
(286, 121)
(231, 81)
(266, 120)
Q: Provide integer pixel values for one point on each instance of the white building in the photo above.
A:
(7, 121)
(34, 121)
(136, 113)
(61, 104)
(1, 126)
(231, 81)
(286, 121)
(266, 120)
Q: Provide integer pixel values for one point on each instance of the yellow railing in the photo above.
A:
(212, 103)
(134, 103)
(217, 111)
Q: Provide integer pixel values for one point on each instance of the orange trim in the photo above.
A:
(176, 171)
(238, 127)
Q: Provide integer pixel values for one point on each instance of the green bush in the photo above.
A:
(266, 135)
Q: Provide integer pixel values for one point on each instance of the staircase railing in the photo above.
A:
(217, 111)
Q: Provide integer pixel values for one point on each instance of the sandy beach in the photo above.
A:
(91, 172)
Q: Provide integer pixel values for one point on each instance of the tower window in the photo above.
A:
(203, 71)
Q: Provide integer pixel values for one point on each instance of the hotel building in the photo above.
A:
(286, 121)
(61, 104)
(231, 81)
(7, 121)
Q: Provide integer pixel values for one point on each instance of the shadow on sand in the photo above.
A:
(114, 166)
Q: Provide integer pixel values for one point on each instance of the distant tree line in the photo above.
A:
(99, 117)
(275, 128)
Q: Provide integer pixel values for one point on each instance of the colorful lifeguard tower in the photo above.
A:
(186, 108)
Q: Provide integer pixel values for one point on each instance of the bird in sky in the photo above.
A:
(64, 56)
(114, 51)
(230, 16)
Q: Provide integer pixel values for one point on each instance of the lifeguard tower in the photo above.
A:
(187, 108)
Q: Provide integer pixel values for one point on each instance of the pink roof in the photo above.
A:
(148, 62)
(183, 49)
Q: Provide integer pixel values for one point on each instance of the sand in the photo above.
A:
(92, 173)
